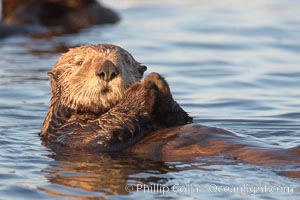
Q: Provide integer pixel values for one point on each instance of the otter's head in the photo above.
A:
(93, 78)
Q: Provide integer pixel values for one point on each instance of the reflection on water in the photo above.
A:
(103, 173)
(231, 64)
(83, 174)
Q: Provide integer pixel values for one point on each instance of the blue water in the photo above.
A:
(230, 64)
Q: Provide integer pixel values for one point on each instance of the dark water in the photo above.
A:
(234, 65)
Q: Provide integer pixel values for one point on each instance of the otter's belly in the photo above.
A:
(189, 142)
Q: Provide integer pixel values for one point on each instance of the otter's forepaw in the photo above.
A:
(159, 82)
(166, 110)
(142, 97)
(165, 99)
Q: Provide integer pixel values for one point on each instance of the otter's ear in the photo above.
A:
(142, 69)
(55, 72)
(54, 76)
(53, 79)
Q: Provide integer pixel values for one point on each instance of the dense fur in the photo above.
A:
(89, 113)
(52, 17)
(72, 14)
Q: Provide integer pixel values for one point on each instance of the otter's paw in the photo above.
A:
(141, 97)
(165, 99)
(159, 82)
(166, 110)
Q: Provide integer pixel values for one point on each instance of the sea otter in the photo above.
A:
(46, 17)
(100, 104)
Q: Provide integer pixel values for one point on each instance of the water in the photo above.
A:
(230, 64)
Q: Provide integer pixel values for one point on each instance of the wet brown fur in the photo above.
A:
(191, 142)
(44, 18)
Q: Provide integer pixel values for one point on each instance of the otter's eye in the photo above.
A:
(79, 63)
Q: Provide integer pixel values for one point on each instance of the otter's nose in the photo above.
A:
(107, 71)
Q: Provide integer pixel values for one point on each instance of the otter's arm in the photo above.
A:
(145, 108)
(130, 120)
(120, 127)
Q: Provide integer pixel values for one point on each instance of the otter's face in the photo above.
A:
(93, 78)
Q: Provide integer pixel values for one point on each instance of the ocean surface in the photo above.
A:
(231, 64)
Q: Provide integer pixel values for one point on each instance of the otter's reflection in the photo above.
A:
(106, 174)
